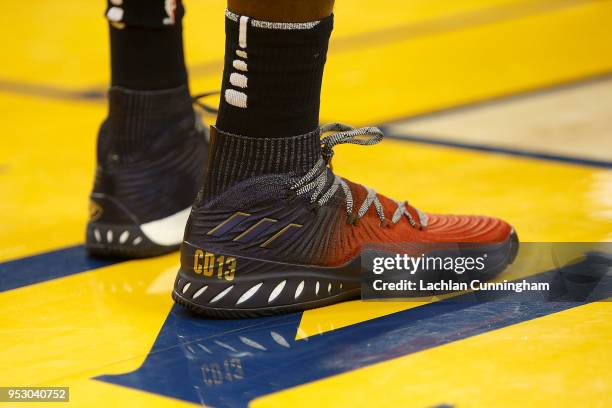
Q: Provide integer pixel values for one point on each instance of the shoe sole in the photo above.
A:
(153, 238)
(262, 288)
(122, 241)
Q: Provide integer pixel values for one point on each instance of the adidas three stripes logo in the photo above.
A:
(266, 229)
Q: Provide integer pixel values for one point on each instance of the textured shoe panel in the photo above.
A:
(467, 228)
(273, 228)
(439, 228)
(155, 188)
(152, 151)
(245, 217)
(271, 243)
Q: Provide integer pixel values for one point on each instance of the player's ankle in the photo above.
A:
(141, 121)
(234, 158)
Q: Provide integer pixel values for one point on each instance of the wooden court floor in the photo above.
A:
(502, 107)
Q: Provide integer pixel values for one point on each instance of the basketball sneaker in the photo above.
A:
(283, 233)
(152, 148)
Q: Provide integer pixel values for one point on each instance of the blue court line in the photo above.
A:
(51, 91)
(214, 362)
(499, 100)
(495, 149)
(520, 94)
(49, 265)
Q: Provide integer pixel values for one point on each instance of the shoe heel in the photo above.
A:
(113, 232)
(220, 285)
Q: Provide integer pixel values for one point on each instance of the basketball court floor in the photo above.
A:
(502, 107)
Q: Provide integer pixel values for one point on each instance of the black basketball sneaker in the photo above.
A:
(152, 149)
(275, 230)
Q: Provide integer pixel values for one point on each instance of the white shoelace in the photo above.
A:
(315, 180)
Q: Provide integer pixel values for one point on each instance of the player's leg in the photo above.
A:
(272, 77)
(274, 229)
(151, 147)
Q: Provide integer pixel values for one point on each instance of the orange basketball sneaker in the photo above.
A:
(273, 239)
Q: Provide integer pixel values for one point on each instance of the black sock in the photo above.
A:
(272, 76)
(147, 59)
(234, 158)
(146, 44)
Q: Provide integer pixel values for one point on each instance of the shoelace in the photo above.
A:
(207, 108)
(315, 180)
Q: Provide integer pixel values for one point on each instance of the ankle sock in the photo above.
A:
(146, 40)
(272, 76)
(141, 121)
(234, 158)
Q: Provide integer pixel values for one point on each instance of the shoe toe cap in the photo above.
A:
(467, 228)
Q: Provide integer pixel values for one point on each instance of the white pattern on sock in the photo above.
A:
(170, 7)
(274, 25)
(235, 98)
(114, 14)
(242, 33)
(238, 80)
(240, 65)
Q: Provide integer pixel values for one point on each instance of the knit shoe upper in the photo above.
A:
(265, 237)
(152, 149)
(320, 218)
